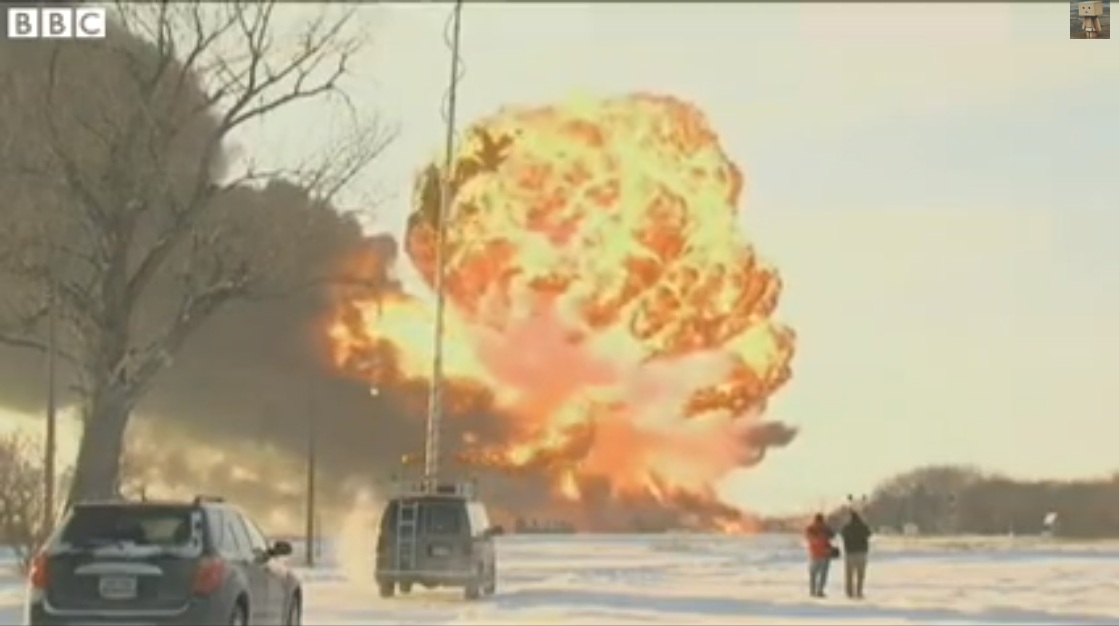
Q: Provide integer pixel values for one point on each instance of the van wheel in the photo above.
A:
(406, 588)
(491, 581)
(387, 589)
(471, 592)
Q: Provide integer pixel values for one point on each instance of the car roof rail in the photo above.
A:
(204, 499)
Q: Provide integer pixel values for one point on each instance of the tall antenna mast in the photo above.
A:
(452, 35)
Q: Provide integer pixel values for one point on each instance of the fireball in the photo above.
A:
(602, 298)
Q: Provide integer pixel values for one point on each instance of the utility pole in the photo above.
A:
(435, 400)
(309, 538)
(50, 440)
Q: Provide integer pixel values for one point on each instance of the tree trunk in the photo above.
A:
(97, 471)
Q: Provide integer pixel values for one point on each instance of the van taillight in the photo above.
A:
(208, 576)
(37, 573)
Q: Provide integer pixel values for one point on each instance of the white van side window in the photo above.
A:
(472, 512)
(478, 518)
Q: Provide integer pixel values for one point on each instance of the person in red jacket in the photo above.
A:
(819, 536)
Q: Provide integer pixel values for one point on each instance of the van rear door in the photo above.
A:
(445, 538)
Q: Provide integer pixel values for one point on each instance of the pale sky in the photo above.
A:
(935, 182)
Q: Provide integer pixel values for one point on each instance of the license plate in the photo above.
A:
(440, 551)
(117, 587)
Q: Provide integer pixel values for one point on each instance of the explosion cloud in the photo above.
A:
(603, 303)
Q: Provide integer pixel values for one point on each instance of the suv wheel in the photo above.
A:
(388, 589)
(406, 588)
(491, 581)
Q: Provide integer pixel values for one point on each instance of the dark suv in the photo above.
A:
(200, 562)
(438, 537)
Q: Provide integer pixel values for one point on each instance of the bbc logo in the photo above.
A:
(56, 23)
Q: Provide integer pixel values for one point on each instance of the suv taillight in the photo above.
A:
(208, 576)
(37, 573)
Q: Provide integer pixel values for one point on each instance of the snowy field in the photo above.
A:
(695, 579)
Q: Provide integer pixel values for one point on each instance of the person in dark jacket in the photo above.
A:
(856, 545)
(818, 536)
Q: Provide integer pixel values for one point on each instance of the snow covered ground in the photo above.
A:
(696, 579)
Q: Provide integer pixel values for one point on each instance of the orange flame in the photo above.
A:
(601, 295)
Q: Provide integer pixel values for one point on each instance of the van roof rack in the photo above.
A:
(202, 499)
(434, 487)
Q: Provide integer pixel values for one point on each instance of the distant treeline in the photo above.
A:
(950, 500)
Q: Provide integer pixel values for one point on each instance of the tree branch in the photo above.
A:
(21, 334)
(193, 312)
(144, 173)
(70, 170)
(255, 92)
(16, 340)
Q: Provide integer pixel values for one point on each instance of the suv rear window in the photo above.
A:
(148, 525)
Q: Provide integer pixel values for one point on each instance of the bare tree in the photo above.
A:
(928, 496)
(118, 177)
(21, 497)
(982, 502)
